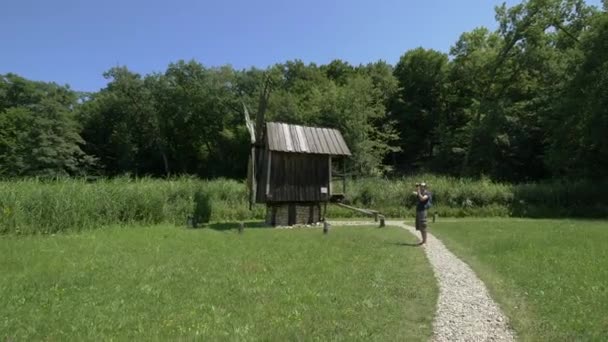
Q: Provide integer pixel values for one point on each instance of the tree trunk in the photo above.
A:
(165, 162)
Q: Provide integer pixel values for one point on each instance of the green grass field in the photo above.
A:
(550, 276)
(165, 282)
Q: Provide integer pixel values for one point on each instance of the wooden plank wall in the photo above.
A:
(297, 177)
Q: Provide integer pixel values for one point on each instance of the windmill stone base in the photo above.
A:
(289, 214)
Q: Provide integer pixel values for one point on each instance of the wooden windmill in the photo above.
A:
(290, 167)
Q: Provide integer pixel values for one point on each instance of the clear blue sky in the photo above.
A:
(74, 41)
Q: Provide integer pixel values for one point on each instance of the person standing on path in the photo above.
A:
(423, 199)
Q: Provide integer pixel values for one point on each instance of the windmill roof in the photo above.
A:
(303, 139)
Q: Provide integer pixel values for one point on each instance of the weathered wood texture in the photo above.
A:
(293, 164)
(295, 177)
(303, 139)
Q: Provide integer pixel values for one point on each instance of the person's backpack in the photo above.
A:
(428, 203)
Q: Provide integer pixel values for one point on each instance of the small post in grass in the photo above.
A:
(325, 227)
(241, 227)
(382, 221)
(189, 222)
(434, 216)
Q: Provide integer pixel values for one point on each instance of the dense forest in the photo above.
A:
(526, 102)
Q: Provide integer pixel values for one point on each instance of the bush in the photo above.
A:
(202, 208)
(36, 206)
(460, 197)
(49, 206)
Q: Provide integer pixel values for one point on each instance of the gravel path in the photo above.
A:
(465, 310)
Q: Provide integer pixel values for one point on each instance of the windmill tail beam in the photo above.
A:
(369, 212)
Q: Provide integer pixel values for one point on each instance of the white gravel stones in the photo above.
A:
(465, 310)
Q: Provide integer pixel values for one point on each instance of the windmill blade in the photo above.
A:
(251, 178)
(262, 106)
(251, 181)
(256, 139)
(250, 125)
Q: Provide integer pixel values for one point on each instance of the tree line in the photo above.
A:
(525, 102)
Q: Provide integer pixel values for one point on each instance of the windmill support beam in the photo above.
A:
(268, 173)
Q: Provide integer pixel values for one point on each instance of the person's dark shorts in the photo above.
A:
(421, 220)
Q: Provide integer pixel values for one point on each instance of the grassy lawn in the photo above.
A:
(166, 282)
(550, 276)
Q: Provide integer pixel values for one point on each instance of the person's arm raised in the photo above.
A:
(422, 197)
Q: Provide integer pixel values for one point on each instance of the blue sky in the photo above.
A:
(74, 41)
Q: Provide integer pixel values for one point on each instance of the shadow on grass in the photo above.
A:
(405, 244)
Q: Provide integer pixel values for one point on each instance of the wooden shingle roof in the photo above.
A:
(302, 139)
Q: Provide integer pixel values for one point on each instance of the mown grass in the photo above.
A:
(162, 282)
(550, 276)
(35, 206)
